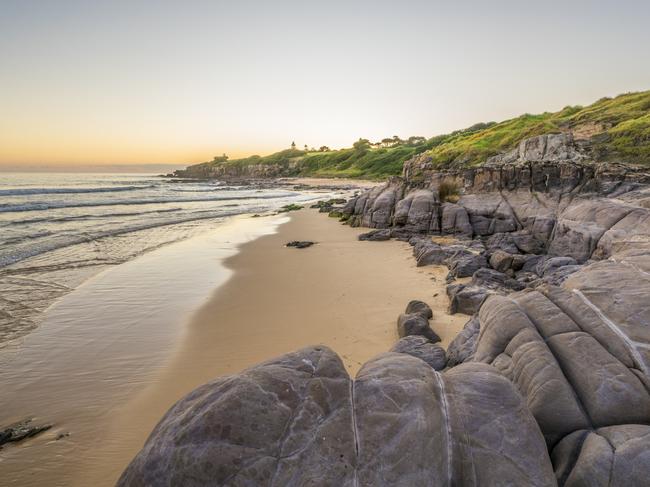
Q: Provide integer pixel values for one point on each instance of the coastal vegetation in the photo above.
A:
(615, 129)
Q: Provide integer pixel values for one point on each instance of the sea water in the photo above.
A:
(59, 229)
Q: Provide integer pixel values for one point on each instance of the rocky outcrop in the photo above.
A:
(227, 171)
(547, 194)
(580, 356)
(299, 420)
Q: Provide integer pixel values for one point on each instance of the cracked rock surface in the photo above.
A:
(299, 420)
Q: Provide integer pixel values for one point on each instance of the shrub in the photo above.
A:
(448, 191)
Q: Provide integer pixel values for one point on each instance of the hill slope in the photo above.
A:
(611, 128)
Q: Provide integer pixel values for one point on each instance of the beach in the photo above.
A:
(340, 292)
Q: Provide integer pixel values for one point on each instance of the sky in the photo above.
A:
(135, 82)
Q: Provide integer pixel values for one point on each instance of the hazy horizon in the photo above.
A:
(175, 84)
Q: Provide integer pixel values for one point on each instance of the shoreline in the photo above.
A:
(103, 342)
(340, 292)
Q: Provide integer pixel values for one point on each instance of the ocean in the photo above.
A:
(57, 230)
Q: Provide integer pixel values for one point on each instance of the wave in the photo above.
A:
(33, 191)
(17, 255)
(42, 206)
(88, 216)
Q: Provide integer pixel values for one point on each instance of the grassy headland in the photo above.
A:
(615, 128)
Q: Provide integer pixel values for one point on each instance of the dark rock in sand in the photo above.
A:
(300, 244)
(22, 430)
(415, 324)
(419, 307)
(375, 235)
(422, 348)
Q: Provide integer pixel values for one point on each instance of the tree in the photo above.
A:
(306, 148)
(324, 148)
(293, 146)
(416, 140)
(221, 158)
(387, 142)
(361, 145)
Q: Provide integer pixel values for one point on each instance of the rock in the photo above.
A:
(615, 455)
(465, 264)
(420, 307)
(472, 419)
(299, 420)
(557, 276)
(553, 263)
(462, 347)
(257, 428)
(495, 280)
(428, 253)
(291, 207)
(375, 235)
(581, 226)
(577, 368)
(532, 262)
(527, 243)
(501, 241)
(422, 348)
(418, 211)
(300, 244)
(489, 213)
(455, 221)
(415, 324)
(21, 430)
(465, 299)
(501, 260)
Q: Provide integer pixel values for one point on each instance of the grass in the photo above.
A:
(618, 128)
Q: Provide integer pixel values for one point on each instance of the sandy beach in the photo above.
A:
(341, 292)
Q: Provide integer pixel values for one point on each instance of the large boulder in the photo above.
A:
(300, 421)
(287, 421)
(581, 226)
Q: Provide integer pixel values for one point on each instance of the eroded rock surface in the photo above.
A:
(299, 420)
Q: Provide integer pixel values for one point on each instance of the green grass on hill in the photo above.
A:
(618, 129)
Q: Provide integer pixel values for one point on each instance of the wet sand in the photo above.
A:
(340, 292)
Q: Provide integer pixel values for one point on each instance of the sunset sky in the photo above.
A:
(94, 82)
